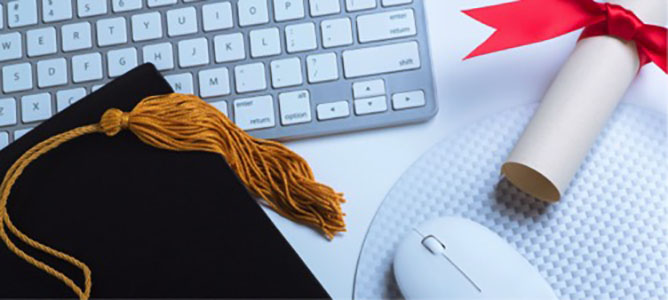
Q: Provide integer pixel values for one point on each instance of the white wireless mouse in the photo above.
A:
(455, 258)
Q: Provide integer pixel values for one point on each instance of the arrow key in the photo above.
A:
(369, 88)
(408, 100)
(333, 110)
(370, 105)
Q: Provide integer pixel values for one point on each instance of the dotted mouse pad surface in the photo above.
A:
(605, 239)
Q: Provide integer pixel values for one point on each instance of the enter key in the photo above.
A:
(386, 26)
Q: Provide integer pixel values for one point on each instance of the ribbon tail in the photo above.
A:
(526, 22)
(652, 44)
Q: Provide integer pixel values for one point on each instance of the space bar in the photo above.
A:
(381, 59)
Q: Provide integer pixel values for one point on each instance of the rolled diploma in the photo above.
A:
(575, 108)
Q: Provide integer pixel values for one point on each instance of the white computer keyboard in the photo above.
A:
(281, 69)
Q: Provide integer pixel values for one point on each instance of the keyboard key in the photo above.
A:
(181, 83)
(111, 32)
(336, 32)
(87, 67)
(21, 13)
(300, 37)
(21, 132)
(324, 7)
(295, 107)
(160, 55)
(7, 112)
(381, 59)
(229, 47)
(217, 16)
(221, 106)
(146, 26)
(214, 82)
(322, 67)
(396, 2)
(250, 78)
(76, 36)
(51, 72)
(254, 113)
(36, 107)
(253, 12)
(89, 8)
(265, 42)
(54, 10)
(4, 139)
(370, 105)
(333, 110)
(2, 18)
(286, 72)
(369, 88)
(385, 26)
(408, 100)
(181, 21)
(16, 78)
(10, 46)
(156, 3)
(121, 60)
(41, 41)
(65, 98)
(194, 52)
(125, 5)
(285, 10)
(355, 5)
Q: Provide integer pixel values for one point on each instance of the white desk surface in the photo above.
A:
(365, 165)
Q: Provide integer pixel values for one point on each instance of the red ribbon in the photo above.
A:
(526, 22)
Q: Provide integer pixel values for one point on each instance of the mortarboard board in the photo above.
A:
(150, 223)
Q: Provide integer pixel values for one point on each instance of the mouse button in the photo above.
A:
(433, 244)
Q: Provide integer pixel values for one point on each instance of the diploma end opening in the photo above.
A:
(531, 181)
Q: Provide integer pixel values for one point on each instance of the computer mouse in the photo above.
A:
(455, 258)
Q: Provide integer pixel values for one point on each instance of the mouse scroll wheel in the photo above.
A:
(433, 244)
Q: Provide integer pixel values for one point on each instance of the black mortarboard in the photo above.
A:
(150, 223)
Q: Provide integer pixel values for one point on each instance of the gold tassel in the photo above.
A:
(181, 122)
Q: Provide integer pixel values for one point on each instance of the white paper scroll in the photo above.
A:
(575, 109)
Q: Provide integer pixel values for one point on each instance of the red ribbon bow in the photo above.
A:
(530, 21)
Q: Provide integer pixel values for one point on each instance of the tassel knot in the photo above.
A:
(113, 121)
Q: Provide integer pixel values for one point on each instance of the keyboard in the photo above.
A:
(280, 69)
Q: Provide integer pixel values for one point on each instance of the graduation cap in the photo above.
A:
(152, 200)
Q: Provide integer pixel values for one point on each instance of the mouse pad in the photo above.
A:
(606, 239)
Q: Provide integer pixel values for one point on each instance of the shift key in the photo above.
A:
(381, 59)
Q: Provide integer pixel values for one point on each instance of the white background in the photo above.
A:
(365, 165)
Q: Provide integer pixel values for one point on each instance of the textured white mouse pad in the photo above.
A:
(606, 239)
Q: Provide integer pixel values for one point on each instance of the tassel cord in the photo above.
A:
(5, 190)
